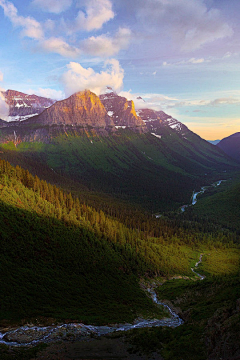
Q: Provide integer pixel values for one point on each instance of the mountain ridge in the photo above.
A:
(22, 106)
(231, 146)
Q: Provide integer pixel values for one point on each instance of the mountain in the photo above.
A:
(81, 109)
(79, 255)
(156, 121)
(146, 157)
(121, 111)
(23, 106)
(214, 142)
(231, 146)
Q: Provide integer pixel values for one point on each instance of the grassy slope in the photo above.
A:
(158, 174)
(221, 205)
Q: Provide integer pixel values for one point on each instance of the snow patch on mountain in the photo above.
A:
(20, 118)
(156, 135)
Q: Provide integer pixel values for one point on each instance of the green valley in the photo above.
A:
(91, 227)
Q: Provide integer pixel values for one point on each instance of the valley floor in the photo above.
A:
(101, 348)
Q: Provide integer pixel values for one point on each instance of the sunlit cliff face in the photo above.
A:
(82, 108)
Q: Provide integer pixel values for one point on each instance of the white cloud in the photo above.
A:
(53, 6)
(59, 46)
(149, 101)
(4, 109)
(225, 101)
(47, 93)
(1, 76)
(191, 61)
(203, 102)
(30, 27)
(164, 102)
(196, 61)
(95, 14)
(104, 45)
(189, 23)
(227, 55)
(78, 78)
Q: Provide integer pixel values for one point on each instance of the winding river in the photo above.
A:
(32, 335)
(196, 193)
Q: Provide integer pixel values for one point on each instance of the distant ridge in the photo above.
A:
(231, 146)
(214, 142)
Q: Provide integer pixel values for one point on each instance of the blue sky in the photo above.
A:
(181, 56)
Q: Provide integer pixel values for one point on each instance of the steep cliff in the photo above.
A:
(83, 109)
(121, 110)
(22, 106)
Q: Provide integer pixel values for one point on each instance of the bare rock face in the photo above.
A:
(22, 106)
(156, 119)
(121, 110)
(82, 109)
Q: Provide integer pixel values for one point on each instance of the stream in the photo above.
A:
(196, 193)
(32, 335)
(201, 277)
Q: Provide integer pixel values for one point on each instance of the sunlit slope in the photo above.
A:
(160, 173)
(55, 260)
(63, 259)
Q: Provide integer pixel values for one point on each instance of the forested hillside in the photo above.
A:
(51, 240)
(157, 174)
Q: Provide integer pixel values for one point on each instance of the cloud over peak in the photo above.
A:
(78, 78)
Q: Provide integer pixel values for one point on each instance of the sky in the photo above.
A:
(180, 56)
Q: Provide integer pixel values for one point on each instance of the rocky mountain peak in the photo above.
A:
(82, 108)
(156, 120)
(23, 106)
(121, 110)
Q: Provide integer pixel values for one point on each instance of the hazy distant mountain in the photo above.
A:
(23, 106)
(231, 145)
(214, 142)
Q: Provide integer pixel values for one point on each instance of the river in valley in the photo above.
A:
(32, 335)
(196, 193)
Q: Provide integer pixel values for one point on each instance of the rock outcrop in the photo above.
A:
(22, 106)
(121, 110)
(82, 109)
